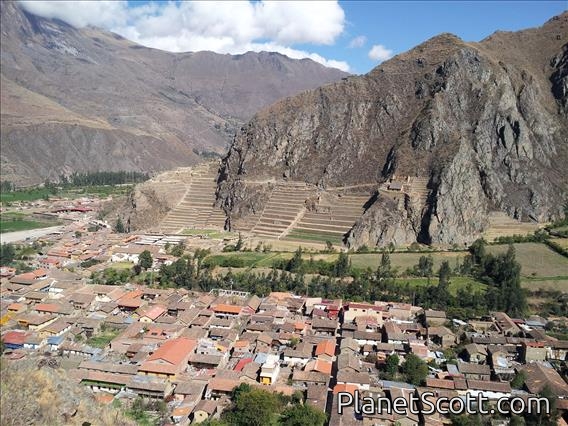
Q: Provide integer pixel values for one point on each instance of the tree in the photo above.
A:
(425, 266)
(145, 260)
(519, 381)
(255, 407)
(178, 249)
(240, 243)
(414, 369)
(302, 415)
(341, 267)
(7, 254)
(295, 264)
(119, 226)
(391, 366)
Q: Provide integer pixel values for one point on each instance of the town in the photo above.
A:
(72, 301)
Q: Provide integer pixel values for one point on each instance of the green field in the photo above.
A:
(298, 234)
(211, 233)
(537, 260)
(101, 340)
(13, 221)
(455, 283)
(402, 261)
(42, 193)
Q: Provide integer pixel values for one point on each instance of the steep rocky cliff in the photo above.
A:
(485, 123)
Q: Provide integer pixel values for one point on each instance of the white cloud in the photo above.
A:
(222, 27)
(380, 53)
(357, 42)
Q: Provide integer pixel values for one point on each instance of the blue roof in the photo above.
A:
(55, 340)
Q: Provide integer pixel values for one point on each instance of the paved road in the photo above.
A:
(12, 237)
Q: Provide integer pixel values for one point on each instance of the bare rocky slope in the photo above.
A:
(87, 99)
(486, 123)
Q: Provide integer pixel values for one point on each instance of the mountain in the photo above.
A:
(484, 125)
(87, 99)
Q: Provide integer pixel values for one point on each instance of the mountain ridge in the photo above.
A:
(153, 108)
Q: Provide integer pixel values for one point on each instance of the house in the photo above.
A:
(270, 370)
(434, 318)
(319, 365)
(204, 410)
(14, 339)
(538, 376)
(505, 324)
(324, 326)
(170, 359)
(217, 387)
(223, 310)
(351, 311)
(299, 355)
(475, 353)
(475, 371)
(35, 321)
(557, 350)
(441, 336)
(533, 351)
(57, 309)
(150, 387)
(325, 350)
(152, 313)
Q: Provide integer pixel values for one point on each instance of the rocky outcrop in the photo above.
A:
(484, 122)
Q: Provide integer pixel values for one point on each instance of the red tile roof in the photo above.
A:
(169, 357)
(326, 347)
(229, 309)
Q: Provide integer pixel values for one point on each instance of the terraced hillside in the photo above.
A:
(196, 209)
(502, 225)
(286, 206)
(331, 219)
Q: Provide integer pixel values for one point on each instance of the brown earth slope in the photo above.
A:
(484, 124)
(86, 99)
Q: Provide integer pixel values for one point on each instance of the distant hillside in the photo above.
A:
(87, 99)
(465, 129)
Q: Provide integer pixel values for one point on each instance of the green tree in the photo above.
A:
(414, 369)
(302, 415)
(7, 254)
(295, 264)
(519, 381)
(391, 366)
(256, 407)
(178, 249)
(119, 226)
(342, 266)
(145, 260)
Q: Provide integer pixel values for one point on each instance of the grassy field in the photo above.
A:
(455, 283)
(298, 234)
(537, 260)
(402, 261)
(211, 233)
(13, 221)
(121, 265)
(102, 339)
(42, 193)
(562, 242)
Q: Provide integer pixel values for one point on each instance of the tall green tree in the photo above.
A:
(414, 369)
(302, 415)
(145, 260)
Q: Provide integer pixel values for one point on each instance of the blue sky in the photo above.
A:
(400, 26)
(351, 35)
